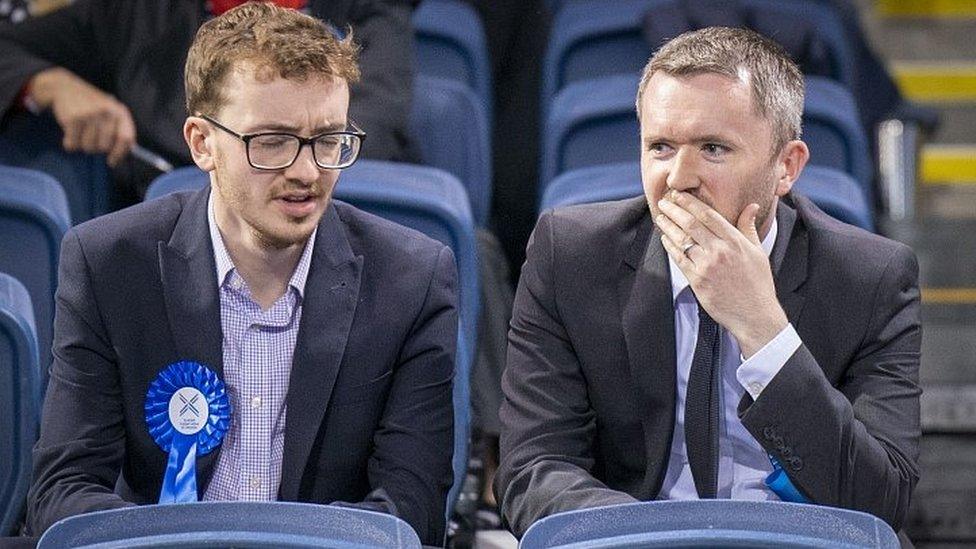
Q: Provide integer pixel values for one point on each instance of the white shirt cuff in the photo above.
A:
(756, 373)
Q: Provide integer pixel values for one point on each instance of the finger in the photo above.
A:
(106, 135)
(91, 134)
(706, 215)
(747, 223)
(125, 137)
(688, 223)
(680, 259)
(673, 231)
(72, 134)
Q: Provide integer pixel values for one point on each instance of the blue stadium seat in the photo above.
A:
(33, 219)
(590, 122)
(449, 40)
(588, 40)
(602, 183)
(836, 193)
(430, 201)
(450, 127)
(832, 128)
(34, 142)
(822, 17)
(19, 397)
(434, 203)
(594, 122)
(710, 523)
(232, 524)
(187, 178)
(832, 191)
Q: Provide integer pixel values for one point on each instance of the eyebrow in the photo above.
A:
(293, 129)
(711, 138)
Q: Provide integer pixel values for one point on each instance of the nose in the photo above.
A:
(682, 172)
(304, 169)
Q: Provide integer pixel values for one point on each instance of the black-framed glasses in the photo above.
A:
(278, 150)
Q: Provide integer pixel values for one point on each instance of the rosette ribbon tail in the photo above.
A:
(180, 480)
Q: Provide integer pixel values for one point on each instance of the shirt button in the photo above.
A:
(756, 387)
(255, 482)
(256, 402)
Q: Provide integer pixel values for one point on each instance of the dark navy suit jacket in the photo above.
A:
(370, 417)
(590, 382)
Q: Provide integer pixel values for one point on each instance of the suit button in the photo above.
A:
(787, 451)
(796, 463)
(768, 433)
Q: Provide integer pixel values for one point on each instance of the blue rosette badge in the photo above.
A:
(187, 414)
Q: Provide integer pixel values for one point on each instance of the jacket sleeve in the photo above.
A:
(548, 425)
(63, 38)
(79, 454)
(410, 466)
(854, 445)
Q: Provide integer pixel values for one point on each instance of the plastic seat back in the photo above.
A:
(19, 397)
(33, 219)
(227, 524)
(711, 523)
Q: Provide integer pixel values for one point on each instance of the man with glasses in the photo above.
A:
(333, 331)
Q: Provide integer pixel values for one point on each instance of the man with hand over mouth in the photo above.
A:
(719, 337)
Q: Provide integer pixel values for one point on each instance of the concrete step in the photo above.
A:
(947, 202)
(943, 508)
(957, 125)
(914, 39)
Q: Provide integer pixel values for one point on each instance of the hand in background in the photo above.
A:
(92, 120)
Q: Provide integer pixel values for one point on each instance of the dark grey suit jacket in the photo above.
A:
(370, 416)
(590, 381)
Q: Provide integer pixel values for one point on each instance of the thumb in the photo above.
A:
(747, 223)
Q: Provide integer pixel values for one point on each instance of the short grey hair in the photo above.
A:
(740, 54)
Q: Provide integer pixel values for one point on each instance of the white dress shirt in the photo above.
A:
(743, 464)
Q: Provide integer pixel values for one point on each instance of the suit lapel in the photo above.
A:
(190, 293)
(648, 323)
(789, 260)
(331, 294)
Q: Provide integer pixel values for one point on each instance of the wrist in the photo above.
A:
(760, 332)
(43, 86)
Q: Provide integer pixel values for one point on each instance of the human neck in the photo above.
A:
(265, 268)
(767, 224)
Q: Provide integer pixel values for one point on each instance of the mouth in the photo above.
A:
(298, 204)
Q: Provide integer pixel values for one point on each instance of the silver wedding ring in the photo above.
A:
(688, 246)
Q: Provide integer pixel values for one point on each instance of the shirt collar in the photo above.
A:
(678, 280)
(225, 265)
